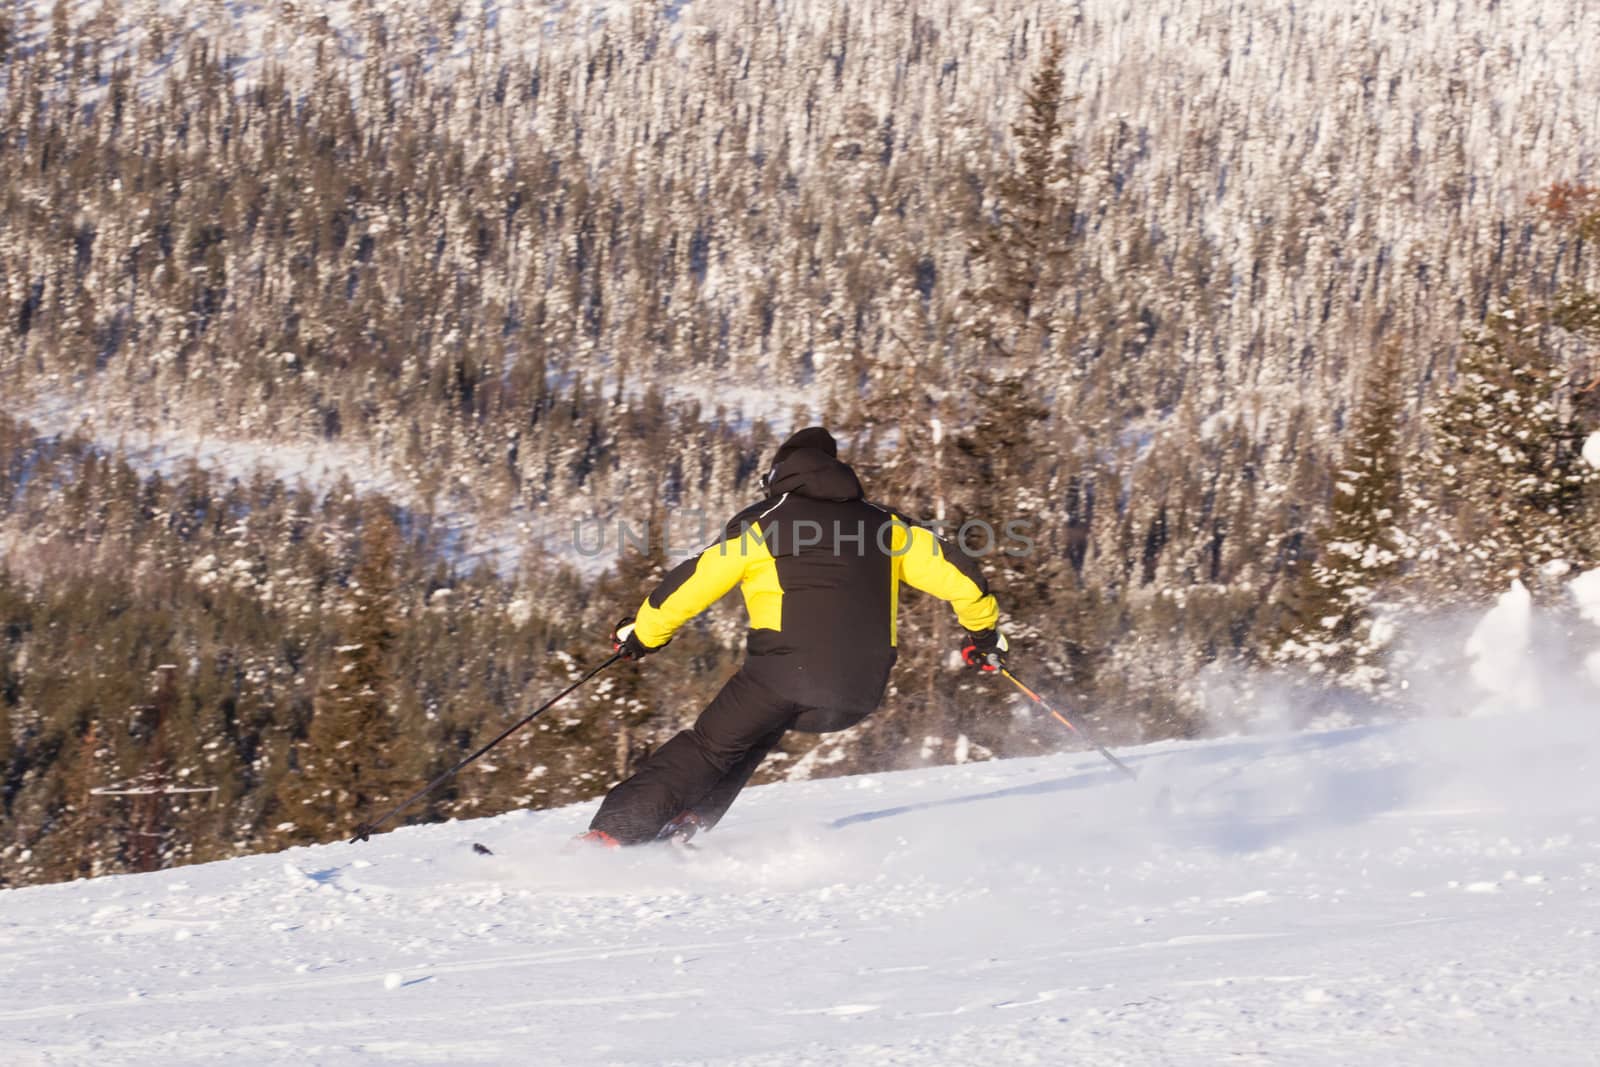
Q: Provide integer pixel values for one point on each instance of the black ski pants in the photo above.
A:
(702, 769)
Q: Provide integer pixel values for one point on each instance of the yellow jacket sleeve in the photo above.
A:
(952, 576)
(693, 586)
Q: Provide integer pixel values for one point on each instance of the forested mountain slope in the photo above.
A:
(355, 357)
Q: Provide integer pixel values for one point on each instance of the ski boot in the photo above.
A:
(596, 839)
(681, 829)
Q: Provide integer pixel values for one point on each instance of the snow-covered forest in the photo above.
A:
(340, 341)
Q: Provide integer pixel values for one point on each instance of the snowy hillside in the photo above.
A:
(1423, 893)
(1352, 149)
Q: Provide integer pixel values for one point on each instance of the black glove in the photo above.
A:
(985, 649)
(627, 643)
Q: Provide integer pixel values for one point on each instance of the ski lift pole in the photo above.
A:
(366, 830)
(1043, 703)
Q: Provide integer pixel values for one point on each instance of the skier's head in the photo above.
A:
(811, 448)
(811, 437)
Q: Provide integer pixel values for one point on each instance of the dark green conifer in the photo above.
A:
(1508, 492)
(1332, 625)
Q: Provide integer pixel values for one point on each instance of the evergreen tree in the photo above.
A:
(1333, 626)
(1573, 211)
(1024, 250)
(1005, 460)
(1508, 494)
(353, 759)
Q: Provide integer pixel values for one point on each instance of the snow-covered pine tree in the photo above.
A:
(1573, 211)
(1507, 488)
(1024, 250)
(1021, 256)
(1333, 627)
(1006, 454)
(354, 757)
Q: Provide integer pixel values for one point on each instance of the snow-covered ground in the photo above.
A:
(1416, 893)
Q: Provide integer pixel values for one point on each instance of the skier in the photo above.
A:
(820, 569)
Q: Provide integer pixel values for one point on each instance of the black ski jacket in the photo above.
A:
(820, 569)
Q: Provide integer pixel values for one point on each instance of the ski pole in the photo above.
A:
(1039, 700)
(366, 830)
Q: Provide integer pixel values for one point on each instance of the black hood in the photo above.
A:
(807, 464)
(812, 472)
(811, 437)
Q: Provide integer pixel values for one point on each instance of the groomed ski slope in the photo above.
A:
(1417, 893)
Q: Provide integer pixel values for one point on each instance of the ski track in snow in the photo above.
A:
(1417, 893)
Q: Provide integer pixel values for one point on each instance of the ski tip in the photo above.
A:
(482, 850)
